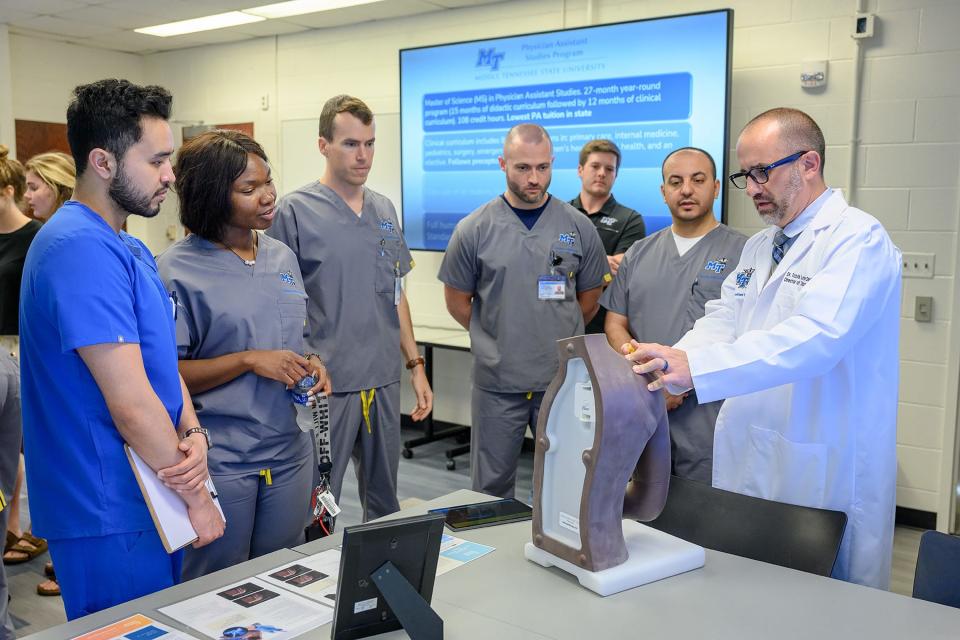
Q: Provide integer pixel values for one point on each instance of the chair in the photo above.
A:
(938, 569)
(802, 538)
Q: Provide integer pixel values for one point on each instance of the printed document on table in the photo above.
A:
(456, 552)
(136, 627)
(250, 610)
(314, 577)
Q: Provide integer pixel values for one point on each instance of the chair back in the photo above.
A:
(937, 578)
(788, 535)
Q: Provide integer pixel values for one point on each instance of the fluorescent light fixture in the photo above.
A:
(300, 7)
(206, 23)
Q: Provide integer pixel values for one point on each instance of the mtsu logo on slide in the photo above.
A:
(489, 58)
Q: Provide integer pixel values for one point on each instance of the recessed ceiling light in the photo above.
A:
(206, 23)
(300, 7)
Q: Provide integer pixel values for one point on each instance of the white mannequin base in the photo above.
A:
(654, 555)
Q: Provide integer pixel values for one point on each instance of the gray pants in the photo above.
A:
(691, 438)
(372, 442)
(10, 438)
(261, 517)
(496, 437)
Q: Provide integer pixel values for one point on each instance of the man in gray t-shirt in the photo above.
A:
(520, 272)
(662, 286)
(352, 255)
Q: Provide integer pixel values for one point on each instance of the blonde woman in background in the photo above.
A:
(51, 178)
(16, 233)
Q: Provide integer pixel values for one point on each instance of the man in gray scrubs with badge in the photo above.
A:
(352, 255)
(520, 273)
(661, 288)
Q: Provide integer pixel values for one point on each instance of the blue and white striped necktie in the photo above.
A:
(780, 242)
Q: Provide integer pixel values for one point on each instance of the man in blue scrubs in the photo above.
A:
(99, 361)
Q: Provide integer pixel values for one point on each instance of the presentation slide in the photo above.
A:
(650, 86)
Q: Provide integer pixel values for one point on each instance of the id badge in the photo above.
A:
(551, 287)
(397, 288)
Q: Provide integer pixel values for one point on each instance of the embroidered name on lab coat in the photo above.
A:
(795, 278)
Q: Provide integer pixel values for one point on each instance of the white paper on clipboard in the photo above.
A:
(167, 508)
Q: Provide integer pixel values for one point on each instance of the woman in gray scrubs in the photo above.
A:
(240, 313)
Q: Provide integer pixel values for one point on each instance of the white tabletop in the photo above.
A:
(502, 595)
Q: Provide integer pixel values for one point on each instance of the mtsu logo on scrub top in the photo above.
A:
(568, 238)
(287, 277)
(743, 278)
(717, 265)
(386, 225)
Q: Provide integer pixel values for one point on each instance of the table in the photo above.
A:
(502, 595)
(444, 338)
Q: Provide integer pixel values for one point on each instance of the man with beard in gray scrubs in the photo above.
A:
(520, 273)
(662, 286)
(352, 255)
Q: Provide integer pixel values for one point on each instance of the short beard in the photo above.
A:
(782, 205)
(523, 196)
(125, 195)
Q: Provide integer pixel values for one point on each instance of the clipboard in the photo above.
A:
(167, 508)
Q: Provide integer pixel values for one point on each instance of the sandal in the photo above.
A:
(12, 539)
(49, 572)
(48, 588)
(28, 545)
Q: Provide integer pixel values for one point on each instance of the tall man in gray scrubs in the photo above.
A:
(352, 255)
(520, 272)
(663, 284)
(619, 226)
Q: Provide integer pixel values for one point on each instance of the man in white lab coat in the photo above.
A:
(803, 344)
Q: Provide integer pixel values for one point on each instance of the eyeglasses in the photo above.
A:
(760, 175)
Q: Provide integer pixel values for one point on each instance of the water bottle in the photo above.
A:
(302, 403)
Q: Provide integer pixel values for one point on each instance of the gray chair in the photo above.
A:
(937, 578)
(801, 538)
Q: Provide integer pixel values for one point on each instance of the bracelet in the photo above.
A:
(202, 431)
(418, 360)
(314, 355)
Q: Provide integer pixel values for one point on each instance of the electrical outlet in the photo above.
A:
(918, 265)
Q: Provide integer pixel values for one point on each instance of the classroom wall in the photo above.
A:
(908, 163)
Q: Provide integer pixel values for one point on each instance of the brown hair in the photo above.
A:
(342, 104)
(599, 146)
(12, 174)
(58, 171)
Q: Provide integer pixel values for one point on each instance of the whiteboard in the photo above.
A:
(301, 162)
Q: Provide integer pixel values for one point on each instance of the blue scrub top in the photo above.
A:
(84, 284)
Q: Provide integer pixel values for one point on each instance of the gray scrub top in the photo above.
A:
(350, 264)
(662, 293)
(493, 255)
(224, 306)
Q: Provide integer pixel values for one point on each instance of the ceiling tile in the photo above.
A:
(268, 28)
(41, 6)
(12, 15)
(119, 18)
(63, 27)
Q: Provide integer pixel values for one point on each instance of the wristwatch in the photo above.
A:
(206, 434)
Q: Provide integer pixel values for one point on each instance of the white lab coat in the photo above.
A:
(808, 360)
